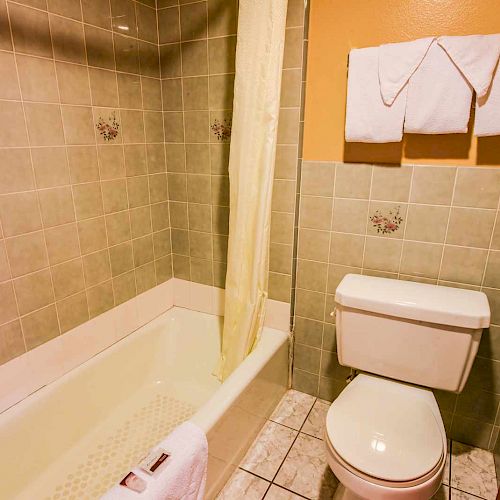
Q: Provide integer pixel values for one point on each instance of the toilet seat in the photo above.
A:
(380, 482)
(386, 432)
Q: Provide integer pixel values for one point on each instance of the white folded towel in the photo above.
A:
(181, 477)
(476, 56)
(439, 96)
(396, 64)
(368, 118)
(487, 120)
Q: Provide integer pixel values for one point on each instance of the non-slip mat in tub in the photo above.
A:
(105, 461)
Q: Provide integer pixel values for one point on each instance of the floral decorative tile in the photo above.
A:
(108, 128)
(387, 222)
(222, 129)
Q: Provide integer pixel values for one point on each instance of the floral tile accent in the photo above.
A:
(108, 128)
(222, 129)
(293, 408)
(386, 224)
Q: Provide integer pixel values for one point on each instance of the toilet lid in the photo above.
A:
(385, 429)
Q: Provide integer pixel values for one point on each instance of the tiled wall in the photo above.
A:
(84, 220)
(444, 228)
(288, 155)
(197, 67)
(197, 47)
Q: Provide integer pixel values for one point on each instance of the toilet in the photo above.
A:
(384, 434)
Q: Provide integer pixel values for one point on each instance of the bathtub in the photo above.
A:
(77, 436)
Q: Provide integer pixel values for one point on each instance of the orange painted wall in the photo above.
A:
(336, 26)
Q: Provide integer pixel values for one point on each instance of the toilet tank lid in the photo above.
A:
(417, 301)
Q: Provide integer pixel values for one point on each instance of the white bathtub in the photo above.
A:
(79, 434)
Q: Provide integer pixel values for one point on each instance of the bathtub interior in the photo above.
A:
(75, 437)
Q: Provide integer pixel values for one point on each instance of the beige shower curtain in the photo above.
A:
(259, 60)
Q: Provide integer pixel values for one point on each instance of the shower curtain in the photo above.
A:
(259, 60)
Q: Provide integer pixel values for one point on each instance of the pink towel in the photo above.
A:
(181, 476)
(368, 118)
(397, 63)
(439, 96)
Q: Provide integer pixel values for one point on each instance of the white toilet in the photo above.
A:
(385, 437)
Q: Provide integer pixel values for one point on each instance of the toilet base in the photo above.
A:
(342, 493)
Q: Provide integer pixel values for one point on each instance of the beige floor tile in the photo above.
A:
(473, 471)
(461, 495)
(268, 450)
(315, 422)
(277, 493)
(293, 409)
(242, 484)
(306, 471)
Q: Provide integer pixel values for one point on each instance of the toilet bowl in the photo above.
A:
(385, 440)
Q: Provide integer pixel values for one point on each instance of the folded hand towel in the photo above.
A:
(181, 476)
(476, 56)
(368, 118)
(487, 121)
(439, 96)
(397, 62)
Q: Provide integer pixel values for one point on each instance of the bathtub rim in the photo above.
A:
(270, 341)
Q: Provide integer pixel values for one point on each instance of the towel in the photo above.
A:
(368, 118)
(181, 477)
(439, 96)
(397, 63)
(476, 56)
(487, 121)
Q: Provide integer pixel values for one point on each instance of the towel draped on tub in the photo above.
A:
(181, 477)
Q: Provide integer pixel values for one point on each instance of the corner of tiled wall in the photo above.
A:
(83, 184)
(197, 47)
(286, 185)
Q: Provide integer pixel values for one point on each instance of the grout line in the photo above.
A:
(11, 279)
(82, 22)
(403, 237)
(37, 193)
(184, 145)
(164, 148)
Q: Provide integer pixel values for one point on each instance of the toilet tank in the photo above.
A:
(413, 332)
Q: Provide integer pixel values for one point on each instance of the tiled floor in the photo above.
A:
(288, 460)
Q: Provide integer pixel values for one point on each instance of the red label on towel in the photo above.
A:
(150, 463)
